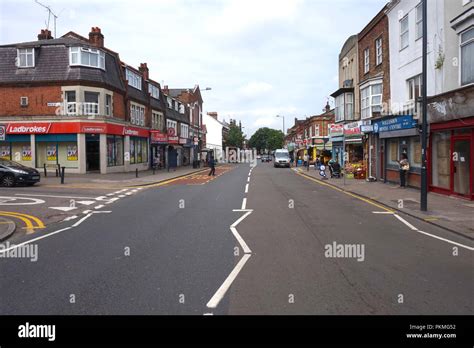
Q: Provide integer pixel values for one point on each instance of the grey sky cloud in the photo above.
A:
(285, 50)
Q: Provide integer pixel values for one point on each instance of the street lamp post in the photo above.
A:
(424, 124)
(283, 117)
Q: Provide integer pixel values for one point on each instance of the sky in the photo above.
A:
(261, 58)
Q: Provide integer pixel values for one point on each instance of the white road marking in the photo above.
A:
(86, 202)
(34, 240)
(70, 218)
(405, 222)
(214, 301)
(82, 220)
(383, 212)
(247, 188)
(242, 243)
(110, 194)
(19, 201)
(244, 203)
(248, 212)
(63, 208)
(248, 179)
(128, 193)
(122, 196)
(446, 240)
(86, 211)
(112, 200)
(101, 198)
(53, 196)
(208, 314)
(99, 206)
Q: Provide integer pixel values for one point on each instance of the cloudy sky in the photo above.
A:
(260, 57)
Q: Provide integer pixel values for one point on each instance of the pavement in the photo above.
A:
(449, 212)
(248, 241)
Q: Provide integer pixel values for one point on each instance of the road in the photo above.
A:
(169, 249)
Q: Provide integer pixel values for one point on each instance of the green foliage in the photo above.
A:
(267, 139)
(235, 138)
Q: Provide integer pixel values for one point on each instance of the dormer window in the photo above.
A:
(89, 57)
(133, 79)
(170, 103)
(26, 58)
(176, 106)
(181, 109)
(154, 91)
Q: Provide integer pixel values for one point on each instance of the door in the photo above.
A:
(461, 167)
(92, 152)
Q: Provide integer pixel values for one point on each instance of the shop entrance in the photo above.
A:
(92, 152)
(461, 175)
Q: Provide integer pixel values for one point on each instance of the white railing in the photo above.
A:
(77, 109)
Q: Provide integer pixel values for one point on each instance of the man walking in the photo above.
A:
(212, 164)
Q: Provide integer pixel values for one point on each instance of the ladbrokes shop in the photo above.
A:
(81, 147)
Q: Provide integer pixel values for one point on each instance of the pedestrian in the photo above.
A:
(404, 168)
(212, 164)
(317, 164)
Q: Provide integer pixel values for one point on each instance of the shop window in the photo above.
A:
(392, 148)
(415, 153)
(138, 150)
(114, 150)
(440, 159)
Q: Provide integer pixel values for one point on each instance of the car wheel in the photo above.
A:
(8, 181)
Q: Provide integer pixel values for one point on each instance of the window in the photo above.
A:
(378, 51)
(340, 108)
(108, 105)
(393, 151)
(441, 159)
(316, 130)
(70, 98)
(419, 21)
(133, 79)
(371, 100)
(154, 91)
(415, 152)
(114, 150)
(170, 102)
(91, 103)
(157, 120)
(414, 88)
(467, 57)
(176, 105)
(366, 60)
(26, 58)
(138, 150)
(170, 124)
(349, 107)
(404, 32)
(137, 115)
(87, 57)
(184, 131)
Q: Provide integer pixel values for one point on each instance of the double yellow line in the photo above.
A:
(31, 222)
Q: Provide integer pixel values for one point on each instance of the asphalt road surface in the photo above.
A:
(170, 249)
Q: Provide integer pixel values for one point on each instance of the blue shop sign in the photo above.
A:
(394, 124)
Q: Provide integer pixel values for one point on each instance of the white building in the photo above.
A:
(214, 133)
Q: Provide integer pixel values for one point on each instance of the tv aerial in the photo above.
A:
(50, 13)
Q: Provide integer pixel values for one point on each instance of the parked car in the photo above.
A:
(282, 158)
(266, 158)
(13, 173)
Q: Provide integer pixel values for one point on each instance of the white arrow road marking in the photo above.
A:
(63, 208)
(214, 301)
(86, 202)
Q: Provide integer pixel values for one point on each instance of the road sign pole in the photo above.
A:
(424, 115)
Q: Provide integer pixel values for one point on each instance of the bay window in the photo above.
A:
(371, 100)
(89, 57)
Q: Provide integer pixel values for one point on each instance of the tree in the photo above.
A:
(267, 139)
(235, 137)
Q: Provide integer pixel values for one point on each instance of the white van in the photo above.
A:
(282, 158)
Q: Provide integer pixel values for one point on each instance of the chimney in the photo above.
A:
(96, 38)
(165, 89)
(213, 114)
(45, 35)
(144, 70)
(328, 108)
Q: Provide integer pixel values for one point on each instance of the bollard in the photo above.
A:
(63, 169)
(45, 171)
(136, 173)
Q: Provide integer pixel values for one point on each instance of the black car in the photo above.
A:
(266, 158)
(12, 173)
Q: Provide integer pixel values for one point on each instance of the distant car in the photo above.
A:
(282, 158)
(266, 158)
(13, 173)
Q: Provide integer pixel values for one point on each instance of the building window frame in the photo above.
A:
(108, 105)
(26, 53)
(405, 32)
(77, 57)
(367, 96)
(418, 21)
(366, 60)
(154, 91)
(134, 79)
(378, 51)
(462, 44)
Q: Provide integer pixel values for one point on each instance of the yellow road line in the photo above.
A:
(28, 224)
(346, 192)
(39, 223)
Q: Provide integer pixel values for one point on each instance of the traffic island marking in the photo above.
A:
(31, 222)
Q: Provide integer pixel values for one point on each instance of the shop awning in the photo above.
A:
(353, 140)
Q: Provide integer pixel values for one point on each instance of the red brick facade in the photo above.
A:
(38, 99)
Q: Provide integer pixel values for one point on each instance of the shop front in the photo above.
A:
(399, 135)
(80, 147)
(184, 156)
(451, 163)
(158, 144)
(354, 151)
(336, 137)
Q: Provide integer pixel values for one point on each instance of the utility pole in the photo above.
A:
(424, 114)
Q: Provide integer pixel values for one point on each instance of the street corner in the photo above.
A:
(7, 228)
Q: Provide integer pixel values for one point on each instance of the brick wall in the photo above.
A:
(38, 98)
(414, 180)
(378, 28)
(119, 106)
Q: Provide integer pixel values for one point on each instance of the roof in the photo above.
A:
(52, 65)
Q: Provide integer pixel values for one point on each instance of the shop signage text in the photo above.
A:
(158, 138)
(352, 128)
(394, 124)
(36, 128)
(336, 130)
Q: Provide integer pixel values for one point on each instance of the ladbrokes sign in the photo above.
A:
(37, 128)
